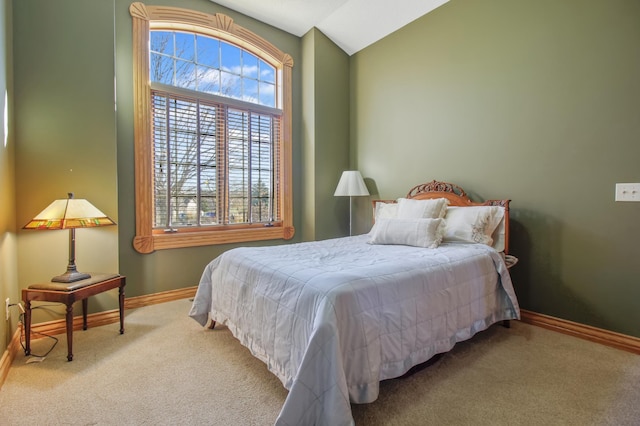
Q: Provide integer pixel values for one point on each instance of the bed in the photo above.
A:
(333, 318)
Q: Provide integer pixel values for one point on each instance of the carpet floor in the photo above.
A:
(167, 370)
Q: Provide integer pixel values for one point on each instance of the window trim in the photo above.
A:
(221, 26)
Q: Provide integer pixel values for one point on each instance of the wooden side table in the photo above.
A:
(69, 293)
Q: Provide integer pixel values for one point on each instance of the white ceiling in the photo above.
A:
(351, 24)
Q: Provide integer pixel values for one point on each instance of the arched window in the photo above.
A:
(212, 124)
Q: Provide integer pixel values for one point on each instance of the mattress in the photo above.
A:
(333, 318)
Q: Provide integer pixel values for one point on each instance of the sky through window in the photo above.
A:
(208, 65)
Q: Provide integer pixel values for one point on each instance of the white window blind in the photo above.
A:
(214, 164)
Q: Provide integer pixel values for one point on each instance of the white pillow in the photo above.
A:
(498, 235)
(472, 224)
(409, 232)
(416, 209)
(385, 210)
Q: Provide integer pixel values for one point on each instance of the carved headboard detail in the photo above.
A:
(436, 186)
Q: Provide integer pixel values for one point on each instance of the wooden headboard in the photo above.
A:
(456, 197)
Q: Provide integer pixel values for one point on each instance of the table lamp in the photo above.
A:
(351, 185)
(69, 213)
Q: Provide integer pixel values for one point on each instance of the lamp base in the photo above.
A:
(70, 277)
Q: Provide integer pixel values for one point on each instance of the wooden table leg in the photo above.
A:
(27, 327)
(85, 304)
(121, 305)
(69, 331)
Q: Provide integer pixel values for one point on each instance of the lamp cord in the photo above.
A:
(22, 335)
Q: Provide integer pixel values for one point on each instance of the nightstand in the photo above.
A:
(69, 293)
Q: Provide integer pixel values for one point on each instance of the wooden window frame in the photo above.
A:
(146, 17)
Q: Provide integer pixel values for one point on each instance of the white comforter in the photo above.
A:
(333, 318)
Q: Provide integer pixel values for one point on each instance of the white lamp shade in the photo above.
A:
(351, 184)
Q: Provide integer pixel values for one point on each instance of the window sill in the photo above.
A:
(148, 244)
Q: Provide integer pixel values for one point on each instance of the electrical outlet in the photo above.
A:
(627, 191)
(6, 308)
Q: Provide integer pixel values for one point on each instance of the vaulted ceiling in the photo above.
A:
(351, 24)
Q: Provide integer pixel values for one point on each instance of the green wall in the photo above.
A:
(8, 237)
(536, 101)
(65, 133)
(325, 98)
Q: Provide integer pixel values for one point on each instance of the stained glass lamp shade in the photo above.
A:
(70, 213)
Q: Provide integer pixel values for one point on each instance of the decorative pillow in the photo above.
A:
(499, 234)
(474, 224)
(386, 210)
(409, 232)
(416, 209)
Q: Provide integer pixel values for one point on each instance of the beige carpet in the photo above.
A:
(167, 370)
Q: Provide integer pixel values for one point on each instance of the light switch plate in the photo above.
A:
(627, 191)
